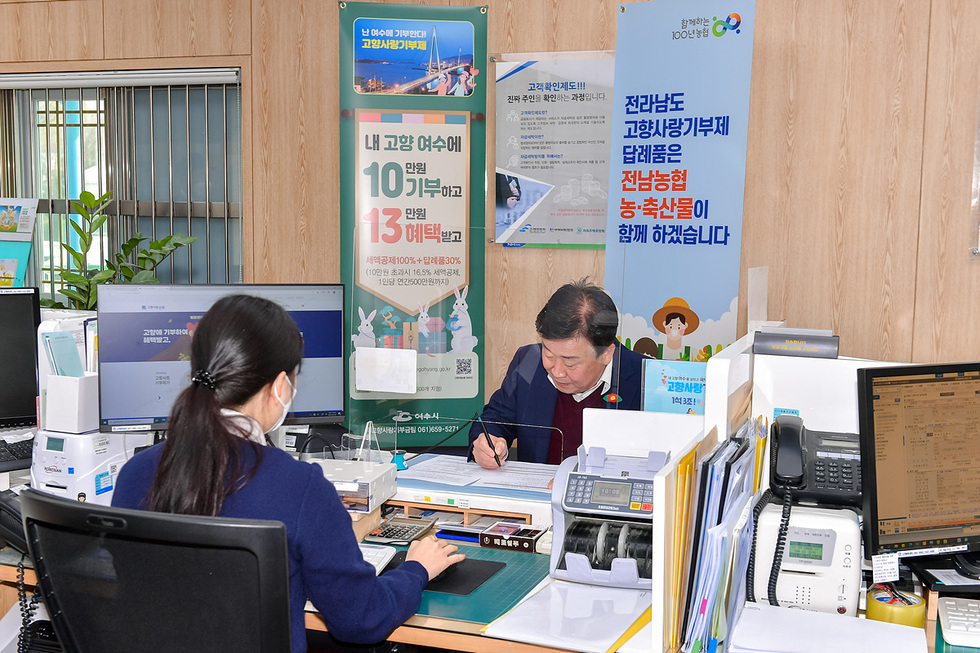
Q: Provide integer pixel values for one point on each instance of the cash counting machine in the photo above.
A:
(603, 513)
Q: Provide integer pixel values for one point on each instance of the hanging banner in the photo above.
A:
(553, 127)
(677, 173)
(412, 215)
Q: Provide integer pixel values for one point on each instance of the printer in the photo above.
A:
(363, 485)
(82, 466)
(603, 518)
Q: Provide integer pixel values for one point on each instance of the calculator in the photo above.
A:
(400, 530)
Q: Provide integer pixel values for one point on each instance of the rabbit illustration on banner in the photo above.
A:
(423, 321)
(365, 332)
(460, 324)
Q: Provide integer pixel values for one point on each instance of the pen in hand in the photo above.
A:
(486, 434)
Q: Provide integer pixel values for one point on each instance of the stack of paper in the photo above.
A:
(575, 616)
(764, 628)
(721, 536)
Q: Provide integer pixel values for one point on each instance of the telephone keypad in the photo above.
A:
(837, 471)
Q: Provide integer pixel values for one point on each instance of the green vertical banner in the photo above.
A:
(413, 184)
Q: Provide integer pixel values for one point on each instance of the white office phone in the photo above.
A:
(821, 564)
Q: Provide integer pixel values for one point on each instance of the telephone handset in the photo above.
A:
(815, 466)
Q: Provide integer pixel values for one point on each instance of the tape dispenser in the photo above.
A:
(603, 511)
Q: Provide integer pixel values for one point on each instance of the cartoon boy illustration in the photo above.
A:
(675, 320)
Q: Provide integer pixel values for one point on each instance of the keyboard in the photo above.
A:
(378, 555)
(15, 452)
(960, 620)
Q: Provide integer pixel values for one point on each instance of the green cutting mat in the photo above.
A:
(496, 596)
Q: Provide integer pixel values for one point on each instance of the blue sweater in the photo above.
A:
(325, 564)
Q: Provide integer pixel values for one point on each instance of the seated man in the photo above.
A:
(578, 364)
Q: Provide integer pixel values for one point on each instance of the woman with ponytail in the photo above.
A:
(245, 357)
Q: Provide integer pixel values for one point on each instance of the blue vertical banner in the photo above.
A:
(677, 173)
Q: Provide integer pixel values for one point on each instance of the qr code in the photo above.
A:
(464, 368)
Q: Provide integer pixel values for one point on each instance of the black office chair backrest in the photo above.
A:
(127, 580)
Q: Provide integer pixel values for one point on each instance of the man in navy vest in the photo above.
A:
(578, 364)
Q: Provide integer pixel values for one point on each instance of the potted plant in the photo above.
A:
(131, 264)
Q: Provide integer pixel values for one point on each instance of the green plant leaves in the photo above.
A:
(144, 276)
(84, 282)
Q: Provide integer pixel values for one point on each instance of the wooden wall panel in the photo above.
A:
(948, 284)
(295, 214)
(175, 28)
(518, 280)
(833, 164)
(857, 151)
(51, 31)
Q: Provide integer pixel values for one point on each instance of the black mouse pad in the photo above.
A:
(469, 574)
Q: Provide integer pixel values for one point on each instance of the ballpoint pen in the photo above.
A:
(486, 434)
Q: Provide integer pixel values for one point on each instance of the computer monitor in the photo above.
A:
(920, 457)
(144, 349)
(20, 316)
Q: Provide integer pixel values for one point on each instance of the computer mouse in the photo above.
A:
(446, 573)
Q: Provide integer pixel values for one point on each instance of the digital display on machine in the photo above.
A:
(805, 550)
(55, 444)
(614, 493)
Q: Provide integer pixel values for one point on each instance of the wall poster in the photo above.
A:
(553, 129)
(17, 218)
(412, 211)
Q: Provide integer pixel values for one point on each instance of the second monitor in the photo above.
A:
(920, 451)
(145, 334)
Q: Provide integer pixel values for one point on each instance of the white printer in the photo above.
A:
(82, 466)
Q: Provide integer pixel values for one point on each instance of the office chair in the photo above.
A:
(127, 580)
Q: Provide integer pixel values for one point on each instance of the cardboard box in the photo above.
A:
(512, 536)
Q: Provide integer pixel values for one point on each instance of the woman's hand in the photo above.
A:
(434, 554)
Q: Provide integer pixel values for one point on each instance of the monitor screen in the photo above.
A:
(20, 315)
(920, 456)
(144, 349)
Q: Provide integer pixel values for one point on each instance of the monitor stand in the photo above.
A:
(968, 564)
(921, 566)
(323, 437)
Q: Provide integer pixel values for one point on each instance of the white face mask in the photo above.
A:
(285, 406)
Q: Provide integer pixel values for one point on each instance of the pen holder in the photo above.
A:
(71, 404)
(399, 455)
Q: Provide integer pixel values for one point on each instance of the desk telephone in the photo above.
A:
(809, 556)
(815, 466)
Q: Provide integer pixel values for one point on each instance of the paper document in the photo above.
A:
(62, 353)
(764, 628)
(952, 577)
(574, 616)
(455, 470)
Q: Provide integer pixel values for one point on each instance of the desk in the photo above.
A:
(437, 632)
(444, 633)
(455, 621)
(419, 630)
